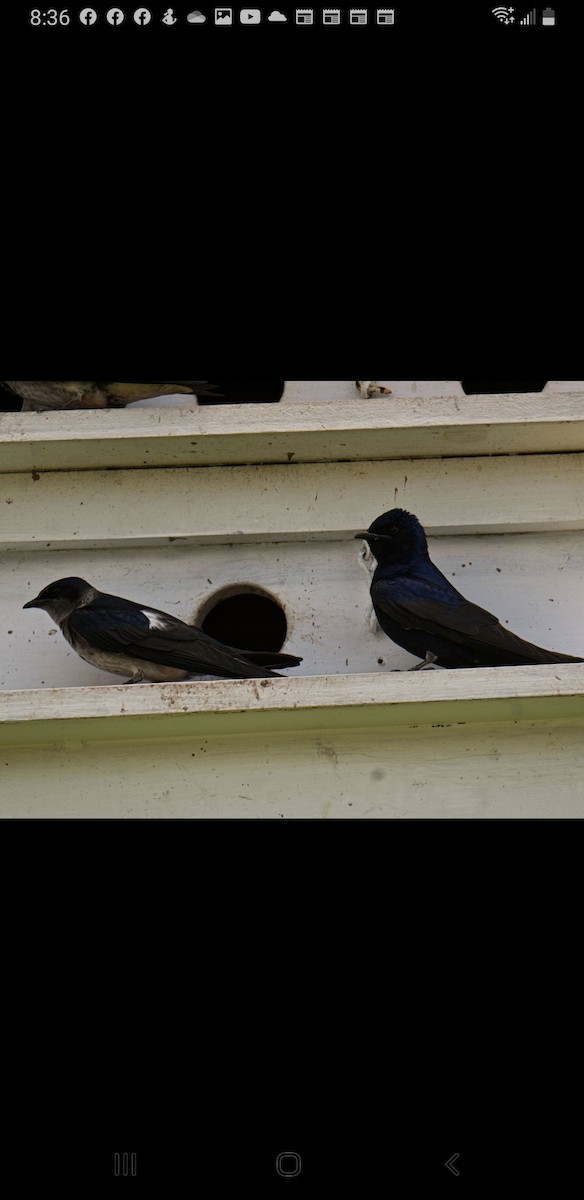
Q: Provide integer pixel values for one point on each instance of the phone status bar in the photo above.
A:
(501, 18)
(143, 17)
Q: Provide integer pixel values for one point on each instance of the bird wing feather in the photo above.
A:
(145, 389)
(126, 630)
(458, 619)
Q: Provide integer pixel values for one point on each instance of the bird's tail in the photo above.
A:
(268, 658)
(552, 657)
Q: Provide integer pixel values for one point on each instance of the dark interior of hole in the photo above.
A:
(474, 388)
(246, 391)
(248, 621)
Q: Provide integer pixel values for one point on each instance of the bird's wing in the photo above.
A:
(148, 634)
(201, 387)
(438, 608)
(129, 392)
(48, 394)
(41, 394)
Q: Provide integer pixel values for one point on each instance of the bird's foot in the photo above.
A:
(137, 678)
(429, 660)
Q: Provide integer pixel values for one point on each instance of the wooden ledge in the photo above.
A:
(382, 428)
(76, 510)
(255, 707)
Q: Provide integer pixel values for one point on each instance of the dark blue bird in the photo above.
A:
(420, 610)
(135, 639)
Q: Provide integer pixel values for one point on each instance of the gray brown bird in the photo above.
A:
(126, 638)
(42, 395)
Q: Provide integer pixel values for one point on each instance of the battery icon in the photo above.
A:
(548, 17)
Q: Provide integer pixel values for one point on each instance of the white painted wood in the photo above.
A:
(562, 386)
(58, 510)
(346, 701)
(380, 428)
(303, 391)
(493, 743)
(510, 768)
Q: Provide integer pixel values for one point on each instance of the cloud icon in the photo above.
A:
(277, 16)
(196, 17)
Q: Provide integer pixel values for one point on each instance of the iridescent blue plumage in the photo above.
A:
(420, 610)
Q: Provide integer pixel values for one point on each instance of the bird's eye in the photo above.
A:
(394, 529)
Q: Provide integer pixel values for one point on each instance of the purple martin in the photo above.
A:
(42, 395)
(135, 639)
(46, 395)
(420, 610)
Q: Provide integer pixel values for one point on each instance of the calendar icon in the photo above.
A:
(304, 16)
(385, 16)
(357, 16)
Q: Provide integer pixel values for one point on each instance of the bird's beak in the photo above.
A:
(364, 536)
(32, 603)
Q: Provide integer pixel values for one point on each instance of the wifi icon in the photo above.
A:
(504, 14)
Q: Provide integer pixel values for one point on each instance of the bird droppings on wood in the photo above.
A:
(35, 476)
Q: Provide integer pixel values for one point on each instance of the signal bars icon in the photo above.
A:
(530, 18)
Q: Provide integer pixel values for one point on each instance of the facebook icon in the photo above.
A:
(142, 16)
(115, 16)
(88, 16)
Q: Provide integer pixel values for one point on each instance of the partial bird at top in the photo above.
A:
(53, 395)
(42, 395)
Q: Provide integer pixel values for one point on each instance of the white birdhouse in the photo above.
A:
(241, 519)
